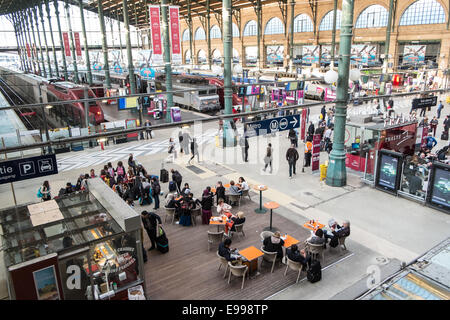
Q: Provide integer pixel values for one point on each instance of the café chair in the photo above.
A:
(170, 212)
(214, 237)
(265, 234)
(223, 262)
(342, 243)
(269, 257)
(234, 198)
(197, 212)
(315, 250)
(239, 228)
(296, 266)
(246, 193)
(238, 271)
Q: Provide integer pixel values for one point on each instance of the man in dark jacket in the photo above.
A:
(323, 111)
(150, 220)
(225, 251)
(274, 244)
(177, 178)
(298, 256)
(156, 189)
(311, 130)
(292, 157)
(293, 137)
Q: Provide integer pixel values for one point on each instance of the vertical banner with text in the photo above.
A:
(175, 33)
(155, 23)
(28, 51)
(76, 36)
(316, 152)
(66, 44)
(303, 124)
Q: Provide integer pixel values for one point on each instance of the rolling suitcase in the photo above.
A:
(164, 174)
(444, 135)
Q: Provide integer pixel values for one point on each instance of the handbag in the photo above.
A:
(39, 193)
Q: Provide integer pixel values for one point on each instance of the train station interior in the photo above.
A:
(232, 150)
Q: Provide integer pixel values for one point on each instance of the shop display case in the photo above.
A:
(96, 243)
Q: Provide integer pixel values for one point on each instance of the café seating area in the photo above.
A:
(193, 270)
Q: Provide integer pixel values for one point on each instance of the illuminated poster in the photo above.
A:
(275, 54)
(388, 171)
(414, 54)
(66, 44)
(155, 23)
(76, 36)
(46, 284)
(363, 53)
(175, 34)
(310, 54)
(440, 190)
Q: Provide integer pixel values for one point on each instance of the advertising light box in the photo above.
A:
(388, 171)
(438, 195)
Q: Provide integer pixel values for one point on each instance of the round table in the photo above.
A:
(260, 209)
(227, 185)
(271, 205)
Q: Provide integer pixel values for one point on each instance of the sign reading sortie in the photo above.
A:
(155, 23)
(76, 35)
(66, 44)
(175, 33)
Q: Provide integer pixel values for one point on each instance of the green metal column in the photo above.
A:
(291, 37)
(74, 56)
(47, 8)
(24, 43)
(386, 47)
(228, 139)
(120, 34)
(41, 14)
(333, 35)
(208, 26)
(104, 45)
(61, 41)
(137, 25)
(191, 38)
(336, 173)
(167, 62)
(19, 48)
(27, 28)
(29, 16)
(126, 20)
(33, 12)
(258, 33)
(86, 48)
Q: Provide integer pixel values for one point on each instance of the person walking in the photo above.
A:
(148, 131)
(180, 140)
(433, 125)
(293, 137)
(194, 151)
(243, 142)
(311, 129)
(439, 109)
(156, 190)
(268, 158)
(308, 153)
(292, 157)
(323, 111)
(150, 220)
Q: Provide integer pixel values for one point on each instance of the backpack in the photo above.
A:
(120, 171)
(314, 272)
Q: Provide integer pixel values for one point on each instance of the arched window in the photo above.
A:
(303, 23)
(274, 26)
(374, 16)
(235, 31)
(187, 56)
(327, 21)
(423, 12)
(186, 35)
(250, 28)
(215, 32)
(201, 56)
(200, 34)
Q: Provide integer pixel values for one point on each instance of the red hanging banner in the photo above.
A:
(76, 35)
(175, 33)
(66, 44)
(155, 23)
(316, 152)
(303, 124)
(28, 51)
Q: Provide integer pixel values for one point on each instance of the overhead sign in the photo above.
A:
(76, 35)
(424, 102)
(66, 44)
(155, 24)
(27, 168)
(272, 125)
(175, 33)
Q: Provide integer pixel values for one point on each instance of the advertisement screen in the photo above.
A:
(388, 171)
(440, 192)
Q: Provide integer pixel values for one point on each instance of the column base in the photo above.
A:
(260, 211)
(336, 172)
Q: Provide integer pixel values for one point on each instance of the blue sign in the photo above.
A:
(272, 125)
(28, 168)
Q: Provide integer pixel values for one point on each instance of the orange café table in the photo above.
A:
(218, 223)
(316, 225)
(227, 185)
(260, 209)
(252, 254)
(271, 205)
(289, 241)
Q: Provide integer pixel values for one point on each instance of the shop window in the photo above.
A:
(374, 16)
(423, 12)
(327, 21)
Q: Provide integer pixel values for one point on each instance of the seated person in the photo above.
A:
(170, 200)
(317, 237)
(223, 207)
(339, 232)
(225, 251)
(298, 256)
(69, 188)
(186, 187)
(193, 202)
(232, 220)
(234, 190)
(274, 243)
(243, 185)
(220, 191)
